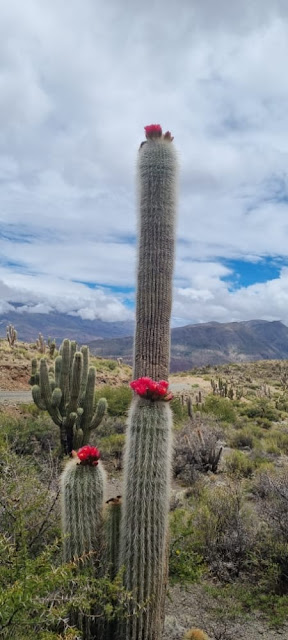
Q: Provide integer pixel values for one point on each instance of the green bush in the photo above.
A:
(31, 436)
(261, 408)
(240, 465)
(222, 408)
(242, 439)
(118, 398)
(185, 563)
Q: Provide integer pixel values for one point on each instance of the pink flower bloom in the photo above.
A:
(148, 388)
(153, 131)
(88, 455)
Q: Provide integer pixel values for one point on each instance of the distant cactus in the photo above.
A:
(190, 407)
(40, 343)
(195, 634)
(11, 335)
(69, 395)
(51, 347)
(34, 379)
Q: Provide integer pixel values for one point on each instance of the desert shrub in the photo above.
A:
(242, 439)
(222, 408)
(196, 451)
(265, 423)
(260, 408)
(277, 442)
(118, 398)
(185, 563)
(240, 465)
(112, 365)
(31, 436)
(179, 411)
(224, 531)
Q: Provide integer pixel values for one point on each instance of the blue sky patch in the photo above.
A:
(247, 273)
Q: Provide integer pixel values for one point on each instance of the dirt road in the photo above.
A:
(15, 397)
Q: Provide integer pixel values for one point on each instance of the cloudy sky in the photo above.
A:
(78, 82)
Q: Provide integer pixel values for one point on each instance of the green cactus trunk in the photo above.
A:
(147, 468)
(157, 170)
(82, 499)
(82, 502)
(145, 511)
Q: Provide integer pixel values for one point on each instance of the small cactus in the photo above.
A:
(40, 343)
(51, 346)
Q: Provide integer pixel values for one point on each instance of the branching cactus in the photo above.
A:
(68, 394)
(143, 540)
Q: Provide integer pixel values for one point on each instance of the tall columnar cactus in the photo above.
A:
(82, 500)
(68, 394)
(157, 170)
(148, 450)
(11, 335)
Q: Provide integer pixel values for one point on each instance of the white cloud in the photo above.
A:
(78, 84)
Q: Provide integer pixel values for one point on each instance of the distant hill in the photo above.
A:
(211, 343)
(61, 325)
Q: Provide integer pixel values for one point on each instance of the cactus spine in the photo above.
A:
(143, 540)
(68, 395)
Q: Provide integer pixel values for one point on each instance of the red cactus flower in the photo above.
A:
(88, 455)
(153, 131)
(148, 388)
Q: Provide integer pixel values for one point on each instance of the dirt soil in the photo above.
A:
(192, 607)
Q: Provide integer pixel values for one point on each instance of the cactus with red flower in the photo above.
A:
(142, 550)
(147, 465)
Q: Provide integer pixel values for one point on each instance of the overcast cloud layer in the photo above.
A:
(78, 82)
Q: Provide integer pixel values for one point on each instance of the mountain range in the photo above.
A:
(191, 346)
(211, 343)
(62, 325)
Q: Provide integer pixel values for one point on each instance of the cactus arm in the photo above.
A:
(88, 403)
(58, 366)
(99, 413)
(64, 376)
(73, 349)
(85, 352)
(75, 383)
(36, 395)
(157, 195)
(46, 393)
